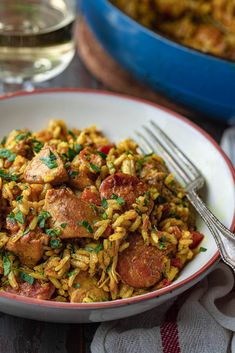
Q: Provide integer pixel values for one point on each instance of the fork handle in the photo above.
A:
(224, 239)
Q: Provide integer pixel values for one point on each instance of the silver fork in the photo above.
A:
(193, 180)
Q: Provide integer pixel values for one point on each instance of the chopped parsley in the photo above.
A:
(96, 249)
(77, 285)
(119, 200)
(8, 176)
(55, 243)
(71, 133)
(162, 243)
(23, 136)
(37, 145)
(27, 278)
(73, 152)
(86, 225)
(202, 249)
(63, 225)
(19, 198)
(53, 232)
(42, 217)
(70, 274)
(139, 165)
(27, 230)
(50, 161)
(148, 155)
(7, 154)
(6, 265)
(102, 155)
(95, 168)
(105, 216)
(72, 173)
(11, 216)
(104, 203)
(19, 217)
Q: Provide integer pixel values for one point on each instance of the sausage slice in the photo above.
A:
(125, 186)
(140, 265)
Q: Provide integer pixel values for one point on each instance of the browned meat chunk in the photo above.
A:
(38, 290)
(91, 196)
(29, 248)
(46, 167)
(80, 179)
(88, 289)
(77, 215)
(125, 186)
(140, 265)
(84, 168)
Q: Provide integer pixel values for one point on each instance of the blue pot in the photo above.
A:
(200, 81)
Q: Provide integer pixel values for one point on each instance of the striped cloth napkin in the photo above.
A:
(202, 320)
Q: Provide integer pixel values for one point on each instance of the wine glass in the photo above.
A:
(36, 41)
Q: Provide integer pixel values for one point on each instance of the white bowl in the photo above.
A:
(118, 117)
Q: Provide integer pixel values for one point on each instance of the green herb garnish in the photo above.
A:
(27, 278)
(19, 198)
(63, 225)
(50, 161)
(71, 133)
(95, 168)
(86, 225)
(53, 232)
(70, 274)
(202, 249)
(11, 216)
(162, 243)
(55, 243)
(25, 232)
(7, 176)
(119, 200)
(23, 136)
(72, 173)
(37, 145)
(6, 265)
(102, 155)
(104, 215)
(5, 153)
(96, 249)
(19, 217)
(77, 285)
(104, 203)
(42, 217)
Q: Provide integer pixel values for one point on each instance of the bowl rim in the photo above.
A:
(147, 296)
(165, 39)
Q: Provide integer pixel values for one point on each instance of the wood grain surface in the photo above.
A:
(27, 336)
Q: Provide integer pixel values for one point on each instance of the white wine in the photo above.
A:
(36, 39)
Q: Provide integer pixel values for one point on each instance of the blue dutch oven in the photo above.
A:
(200, 81)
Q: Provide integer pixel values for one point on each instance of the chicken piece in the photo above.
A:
(140, 265)
(80, 179)
(85, 165)
(125, 186)
(87, 291)
(29, 248)
(46, 167)
(209, 39)
(38, 290)
(65, 207)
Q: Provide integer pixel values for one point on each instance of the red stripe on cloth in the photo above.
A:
(169, 331)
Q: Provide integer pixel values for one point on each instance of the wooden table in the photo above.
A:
(27, 336)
